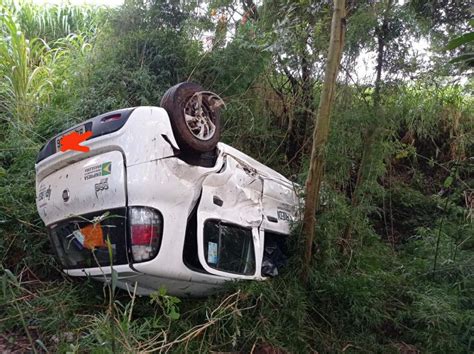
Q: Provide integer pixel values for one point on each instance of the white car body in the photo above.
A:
(143, 170)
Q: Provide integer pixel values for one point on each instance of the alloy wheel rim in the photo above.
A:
(198, 117)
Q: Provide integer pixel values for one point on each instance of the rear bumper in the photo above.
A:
(128, 279)
(123, 271)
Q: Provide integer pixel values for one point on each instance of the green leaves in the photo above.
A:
(448, 181)
(168, 304)
(465, 59)
(375, 296)
(458, 41)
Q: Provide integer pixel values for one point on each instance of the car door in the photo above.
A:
(229, 216)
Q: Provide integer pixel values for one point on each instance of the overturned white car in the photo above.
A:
(160, 201)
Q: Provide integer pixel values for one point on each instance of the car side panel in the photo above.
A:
(172, 187)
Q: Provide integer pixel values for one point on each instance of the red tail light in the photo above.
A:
(144, 234)
(146, 227)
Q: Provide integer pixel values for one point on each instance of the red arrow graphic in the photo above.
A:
(71, 141)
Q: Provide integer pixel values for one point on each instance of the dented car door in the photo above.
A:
(229, 217)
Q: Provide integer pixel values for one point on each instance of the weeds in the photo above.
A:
(404, 282)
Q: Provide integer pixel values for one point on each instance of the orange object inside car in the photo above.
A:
(93, 236)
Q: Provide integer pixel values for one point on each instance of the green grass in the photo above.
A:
(405, 282)
(375, 300)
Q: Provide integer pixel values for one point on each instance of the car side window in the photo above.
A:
(229, 247)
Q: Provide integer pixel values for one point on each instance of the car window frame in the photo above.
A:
(222, 273)
(236, 226)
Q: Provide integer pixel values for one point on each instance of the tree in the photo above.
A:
(300, 36)
(294, 34)
(321, 131)
(372, 134)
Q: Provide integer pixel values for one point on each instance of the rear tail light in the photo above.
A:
(146, 229)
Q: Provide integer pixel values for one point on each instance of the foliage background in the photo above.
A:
(403, 282)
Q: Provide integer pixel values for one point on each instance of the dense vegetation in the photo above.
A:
(393, 261)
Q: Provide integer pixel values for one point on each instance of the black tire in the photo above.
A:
(181, 97)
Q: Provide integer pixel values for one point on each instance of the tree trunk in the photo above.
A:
(321, 132)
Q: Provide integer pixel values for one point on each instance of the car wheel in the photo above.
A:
(194, 116)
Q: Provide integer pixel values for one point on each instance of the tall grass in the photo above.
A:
(54, 21)
(27, 60)
(26, 83)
